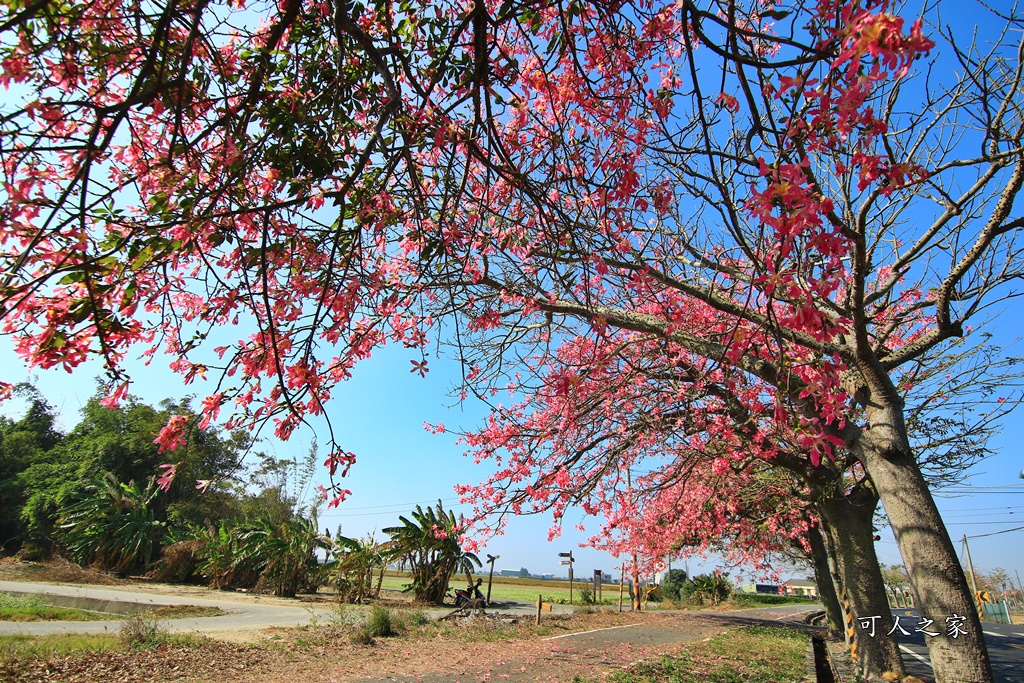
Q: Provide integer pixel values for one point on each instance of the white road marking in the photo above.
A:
(915, 655)
(997, 635)
(610, 628)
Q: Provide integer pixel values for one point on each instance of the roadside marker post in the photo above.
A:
(541, 605)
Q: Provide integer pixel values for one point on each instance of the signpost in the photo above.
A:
(491, 559)
(568, 562)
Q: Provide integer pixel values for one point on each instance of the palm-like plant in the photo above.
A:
(713, 588)
(111, 524)
(429, 545)
(356, 568)
(284, 551)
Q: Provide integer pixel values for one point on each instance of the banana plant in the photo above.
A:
(429, 544)
(110, 524)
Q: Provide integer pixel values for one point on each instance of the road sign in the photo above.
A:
(984, 596)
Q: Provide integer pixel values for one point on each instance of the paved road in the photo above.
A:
(244, 612)
(591, 654)
(1005, 647)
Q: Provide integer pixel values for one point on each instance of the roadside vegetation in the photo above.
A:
(32, 608)
(752, 655)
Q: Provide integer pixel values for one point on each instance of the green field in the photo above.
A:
(504, 589)
(509, 589)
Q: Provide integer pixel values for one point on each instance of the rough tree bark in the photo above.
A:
(939, 583)
(851, 536)
(826, 584)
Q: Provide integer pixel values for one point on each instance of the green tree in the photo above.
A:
(356, 567)
(120, 441)
(23, 442)
(429, 544)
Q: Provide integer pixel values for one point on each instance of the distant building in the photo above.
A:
(802, 587)
(521, 573)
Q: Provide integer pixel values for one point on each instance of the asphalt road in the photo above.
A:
(243, 612)
(1005, 647)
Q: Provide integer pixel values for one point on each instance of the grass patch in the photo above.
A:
(508, 589)
(19, 607)
(381, 623)
(757, 600)
(756, 654)
(21, 648)
(185, 612)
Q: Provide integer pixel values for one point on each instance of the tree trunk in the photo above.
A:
(848, 521)
(823, 577)
(940, 587)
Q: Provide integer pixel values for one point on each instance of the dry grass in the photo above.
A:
(57, 570)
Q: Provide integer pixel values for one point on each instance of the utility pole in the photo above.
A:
(970, 565)
(491, 559)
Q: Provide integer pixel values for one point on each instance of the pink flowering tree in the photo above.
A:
(669, 451)
(782, 189)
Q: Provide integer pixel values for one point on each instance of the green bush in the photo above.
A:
(757, 599)
(713, 588)
(381, 623)
(418, 618)
(672, 584)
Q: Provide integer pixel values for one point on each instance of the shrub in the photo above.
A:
(713, 588)
(672, 585)
(381, 623)
(418, 618)
(140, 630)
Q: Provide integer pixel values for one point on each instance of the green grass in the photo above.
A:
(23, 607)
(22, 648)
(758, 600)
(750, 655)
(185, 612)
(18, 607)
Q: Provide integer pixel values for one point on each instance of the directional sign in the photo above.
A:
(984, 596)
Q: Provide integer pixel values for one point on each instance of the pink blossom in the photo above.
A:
(165, 480)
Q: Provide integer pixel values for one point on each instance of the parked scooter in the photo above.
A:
(471, 597)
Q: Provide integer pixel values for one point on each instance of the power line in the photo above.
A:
(996, 533)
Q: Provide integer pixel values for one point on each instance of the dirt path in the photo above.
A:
(592, 653)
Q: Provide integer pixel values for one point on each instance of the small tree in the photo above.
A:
(356, 568)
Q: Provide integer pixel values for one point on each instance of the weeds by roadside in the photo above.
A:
(23, 607)
(756, 654)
